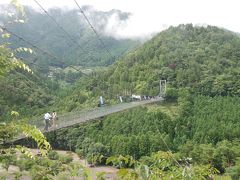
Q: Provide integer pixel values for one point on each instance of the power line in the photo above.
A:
(63, 36)
(70, 37)
(43, 68)
(101, 41)
(26, 41)
(40, 49)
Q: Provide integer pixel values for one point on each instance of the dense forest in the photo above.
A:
(194, 134)
(26, 93)
(207, 132)
(203, 60)
(201, 66)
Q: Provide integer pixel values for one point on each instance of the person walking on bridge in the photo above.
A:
(47, 118)
(54, 118)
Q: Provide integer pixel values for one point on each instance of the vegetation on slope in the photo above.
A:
(26, 93)
(204, 60)
(201, 66)
(84, 50)
(202, 132)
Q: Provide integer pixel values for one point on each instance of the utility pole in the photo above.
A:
(162, 88)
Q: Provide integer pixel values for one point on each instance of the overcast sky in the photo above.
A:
(150, 16)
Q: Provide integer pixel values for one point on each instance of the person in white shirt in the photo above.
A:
(47, 118)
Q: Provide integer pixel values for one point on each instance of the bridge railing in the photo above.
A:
(71, 118)
(77, 117)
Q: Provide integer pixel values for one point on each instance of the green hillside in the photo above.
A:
(33, 94)
(29, 94)
(207, 131)
(203, 60)
(193, 135)
(201, 66)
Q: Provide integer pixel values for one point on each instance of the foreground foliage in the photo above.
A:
(42, 167)
(165, 165)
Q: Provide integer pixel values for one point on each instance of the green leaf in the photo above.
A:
(6, 35)
(14, 113)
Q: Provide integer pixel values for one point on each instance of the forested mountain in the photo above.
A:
(203, 59)
(202, 69)
(193, 135)
(78, 45)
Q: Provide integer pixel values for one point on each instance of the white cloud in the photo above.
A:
(149, 16)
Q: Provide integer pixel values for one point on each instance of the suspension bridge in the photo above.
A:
(78, 117)
(73, 118)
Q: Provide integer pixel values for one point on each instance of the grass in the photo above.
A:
(170, 108)
(217, 177)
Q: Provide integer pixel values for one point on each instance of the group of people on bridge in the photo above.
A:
(50, 120)
(143, 97)
(133, 97)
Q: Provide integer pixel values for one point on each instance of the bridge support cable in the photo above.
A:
(84, 116)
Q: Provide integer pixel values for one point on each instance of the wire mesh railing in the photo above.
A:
(72, 118)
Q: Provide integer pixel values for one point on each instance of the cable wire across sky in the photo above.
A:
(45, 52)
(28, 42)
(38, 48)
(59, 26)
(70, 37)
(99, 38)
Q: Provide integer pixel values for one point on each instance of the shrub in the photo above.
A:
(25, 164)
(79, 152)
(53, 155)
(65, 159)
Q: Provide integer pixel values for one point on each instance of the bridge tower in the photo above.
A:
(162, 88)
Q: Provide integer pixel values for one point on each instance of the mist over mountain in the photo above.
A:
(79, 46)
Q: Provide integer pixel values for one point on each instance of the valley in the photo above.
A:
(192, 131)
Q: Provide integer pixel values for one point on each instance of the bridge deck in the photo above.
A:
(70, 119)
